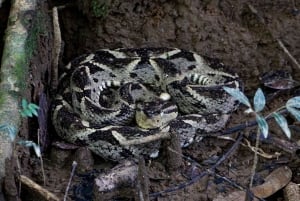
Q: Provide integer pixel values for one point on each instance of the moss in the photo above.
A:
(2, 98)
(37, 27)
(20, 69)
(100, 8)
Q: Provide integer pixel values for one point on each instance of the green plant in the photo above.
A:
(36, 147)
(99, 8)
(29, 109)
(10, 130)
(259, 102)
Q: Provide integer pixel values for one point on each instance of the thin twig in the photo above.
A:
(288, 53)
(255, 160)
(295, 9)
(211, 170)
(261, 19)
(74, 165)
(19, 172)
(288, 146)
(41, 159)
(260, 151)
(56, 48)
(244, 126)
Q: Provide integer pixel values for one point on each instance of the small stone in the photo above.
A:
(83, 156)
(60, 157)
(118, 181)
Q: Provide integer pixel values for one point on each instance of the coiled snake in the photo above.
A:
(114, 95)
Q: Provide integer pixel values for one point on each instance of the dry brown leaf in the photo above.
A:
(273, 182)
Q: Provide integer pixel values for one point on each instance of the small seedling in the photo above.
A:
(10, 130)
(29, 109)
(259, 102)
(36, 147)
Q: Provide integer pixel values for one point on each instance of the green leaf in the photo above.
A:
(27, 113)
(37, 150)
(28, 110)
(28, 143)
(259, 100)
(23, 114)
(34, 112)
(33, 106)
(263, 125)
(293, 106)
(282, 122)
(24, 103)
(238, 95)
(294, 112)
(10, 130)
(293, 102)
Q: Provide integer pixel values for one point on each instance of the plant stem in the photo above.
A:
(74, 165)
(277, 110)
(255, 160)
(41, 158)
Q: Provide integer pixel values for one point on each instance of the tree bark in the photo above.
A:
(14, 67)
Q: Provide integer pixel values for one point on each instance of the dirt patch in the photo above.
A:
(227, 30)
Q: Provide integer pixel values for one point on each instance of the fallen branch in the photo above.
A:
(39, 189)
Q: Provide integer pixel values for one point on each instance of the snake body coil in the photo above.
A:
(116, 95)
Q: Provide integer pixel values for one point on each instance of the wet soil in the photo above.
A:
(229, 30)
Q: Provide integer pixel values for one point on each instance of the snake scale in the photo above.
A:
(114, 95)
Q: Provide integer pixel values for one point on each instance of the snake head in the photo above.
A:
(155, 114)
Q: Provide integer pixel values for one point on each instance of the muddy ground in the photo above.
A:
(242, 34)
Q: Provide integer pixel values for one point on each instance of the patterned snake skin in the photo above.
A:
(117, 95)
